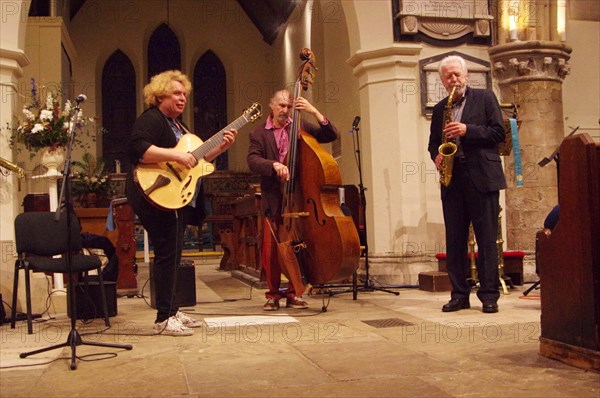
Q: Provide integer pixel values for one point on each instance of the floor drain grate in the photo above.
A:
(387, 323)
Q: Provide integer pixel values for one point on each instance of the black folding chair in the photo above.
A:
(39, 237)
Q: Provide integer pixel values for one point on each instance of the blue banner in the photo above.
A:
(514, 130)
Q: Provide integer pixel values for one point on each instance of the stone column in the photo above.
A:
(394, 162)
(530, 74)
(12, 61)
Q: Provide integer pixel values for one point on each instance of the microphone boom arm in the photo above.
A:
(548, 159)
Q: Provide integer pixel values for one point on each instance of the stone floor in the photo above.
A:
(380, 345)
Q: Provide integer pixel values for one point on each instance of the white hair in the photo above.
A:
(453, 59)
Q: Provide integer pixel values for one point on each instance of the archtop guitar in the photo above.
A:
(172, 186)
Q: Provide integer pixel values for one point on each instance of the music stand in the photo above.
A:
(74, 338)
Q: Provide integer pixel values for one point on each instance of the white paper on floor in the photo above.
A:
(229, 321)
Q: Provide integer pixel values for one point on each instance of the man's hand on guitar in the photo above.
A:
(228, 140)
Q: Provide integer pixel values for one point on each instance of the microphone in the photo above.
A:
(355, 123)
(80, 98)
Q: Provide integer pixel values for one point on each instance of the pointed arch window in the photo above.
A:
(164, 51)
(118, 109)
(210, 102)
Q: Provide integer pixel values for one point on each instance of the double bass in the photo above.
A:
(316, 236)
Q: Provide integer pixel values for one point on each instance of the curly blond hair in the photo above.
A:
(160, 85)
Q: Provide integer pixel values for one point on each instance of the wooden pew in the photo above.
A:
(93, 220)
(569, 261)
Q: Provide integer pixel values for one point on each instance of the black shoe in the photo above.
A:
(455, 305)
(489, 307)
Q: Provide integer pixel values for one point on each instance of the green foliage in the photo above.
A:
(89, 176)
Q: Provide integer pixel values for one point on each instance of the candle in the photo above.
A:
(512, 12)
(561, 14)
(118, 166)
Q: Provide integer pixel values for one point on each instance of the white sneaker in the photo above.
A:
(172, 327)
(187, 321)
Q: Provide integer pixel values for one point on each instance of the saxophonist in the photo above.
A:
(474, 123)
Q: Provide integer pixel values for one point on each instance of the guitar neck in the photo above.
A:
(217, 138)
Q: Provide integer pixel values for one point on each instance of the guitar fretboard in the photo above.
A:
(216, 139)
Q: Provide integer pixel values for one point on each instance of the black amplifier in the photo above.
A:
(185, 290)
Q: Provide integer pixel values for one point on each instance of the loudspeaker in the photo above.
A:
(89, 304)
(185, 288)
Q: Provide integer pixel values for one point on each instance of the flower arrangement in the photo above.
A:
(89, 177)
(46, 125)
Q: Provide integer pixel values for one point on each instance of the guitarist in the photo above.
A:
(155, 134)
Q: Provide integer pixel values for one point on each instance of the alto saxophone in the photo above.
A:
(12, 167)
(448, 148)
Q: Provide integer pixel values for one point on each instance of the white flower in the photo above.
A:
(67, 108)
(37, 128)
(28, 114)
(49, 101)
(46, 114)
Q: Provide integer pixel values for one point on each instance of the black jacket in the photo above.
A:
(152, 128)
(485, 130)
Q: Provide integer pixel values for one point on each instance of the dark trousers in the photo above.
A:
(166, 232)
(463, 204)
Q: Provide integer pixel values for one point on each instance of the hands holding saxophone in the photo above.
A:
(451, 131)
(455, 129)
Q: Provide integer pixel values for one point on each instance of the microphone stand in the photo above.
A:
(368, 285)
(74, 338)
(556, 157)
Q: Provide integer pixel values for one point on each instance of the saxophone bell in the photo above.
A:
(10, 166)
(447, 150)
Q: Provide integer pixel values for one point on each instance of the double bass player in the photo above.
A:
(267, 152)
